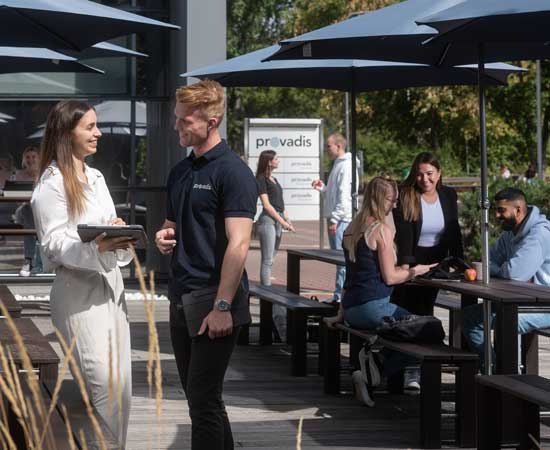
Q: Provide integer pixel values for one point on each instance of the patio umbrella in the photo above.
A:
(74, 24)
(341, 74)
(113, 130)
(103, 50)
(22, 59)
(6, 116)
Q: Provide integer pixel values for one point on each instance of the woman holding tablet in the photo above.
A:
(87, 296)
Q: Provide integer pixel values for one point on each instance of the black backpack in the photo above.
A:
(412, 328)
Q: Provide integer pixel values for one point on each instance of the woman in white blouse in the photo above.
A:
(87, 297)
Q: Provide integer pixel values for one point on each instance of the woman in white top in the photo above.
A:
(87, 297)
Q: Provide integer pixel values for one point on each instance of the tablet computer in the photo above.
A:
(88, 233)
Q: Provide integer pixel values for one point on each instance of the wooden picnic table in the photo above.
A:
(295, 256)
(506, 296)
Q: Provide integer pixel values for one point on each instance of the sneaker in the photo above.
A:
(370, 367)
(25, 270)
(360, 388)
(411, 381)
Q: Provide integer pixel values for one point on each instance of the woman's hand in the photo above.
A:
(105, 244)
(117, 221)
(288, 226)
(332, 321)
(421, 269)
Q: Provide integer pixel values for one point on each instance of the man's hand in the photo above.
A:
(218, 323)
(164, 239)
(332, 228)
(317, 184)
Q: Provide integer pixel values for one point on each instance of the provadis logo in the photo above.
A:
(275, 142)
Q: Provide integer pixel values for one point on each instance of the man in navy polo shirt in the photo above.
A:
(212, 197)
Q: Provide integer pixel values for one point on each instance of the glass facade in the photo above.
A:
(128, 156)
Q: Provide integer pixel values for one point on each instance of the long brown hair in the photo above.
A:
(374, 197)
(263, 163)
(57, 145)
(409, 195)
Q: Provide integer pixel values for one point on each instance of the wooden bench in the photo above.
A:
(298, 310)
(42, 355)
(77, 415)
(9, 301)
(530, 392)
(431, 357)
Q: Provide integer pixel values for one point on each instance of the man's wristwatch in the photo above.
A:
(222, 305)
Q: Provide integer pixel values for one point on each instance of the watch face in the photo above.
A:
(223, 305)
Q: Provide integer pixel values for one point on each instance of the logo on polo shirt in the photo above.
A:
(205, 187)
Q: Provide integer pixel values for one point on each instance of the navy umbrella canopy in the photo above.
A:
(341, 74)
(22, 59)
(68, 24)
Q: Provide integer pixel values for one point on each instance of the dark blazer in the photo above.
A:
(408, 233)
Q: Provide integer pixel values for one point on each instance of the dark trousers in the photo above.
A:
(202, 363)
(420, 299)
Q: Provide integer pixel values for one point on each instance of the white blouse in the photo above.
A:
(433, 223)
(59, 241)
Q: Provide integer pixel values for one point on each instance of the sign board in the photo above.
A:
(299, 146)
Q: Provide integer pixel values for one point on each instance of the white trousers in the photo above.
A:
(90, 307)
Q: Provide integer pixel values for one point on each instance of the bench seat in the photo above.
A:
(431, 357)
(523, 396)
(299, 309)
(8, 300)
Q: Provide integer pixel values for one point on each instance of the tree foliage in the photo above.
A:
(392, 125)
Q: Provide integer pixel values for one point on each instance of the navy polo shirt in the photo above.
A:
(202, 192)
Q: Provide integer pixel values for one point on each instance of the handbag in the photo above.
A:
(198, 304)
(412, 328)
(450, 268)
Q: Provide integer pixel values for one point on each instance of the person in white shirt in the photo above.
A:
(337, 202)
(87, 297)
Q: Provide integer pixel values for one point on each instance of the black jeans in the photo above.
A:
(202, 363)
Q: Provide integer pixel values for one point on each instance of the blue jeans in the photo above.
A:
(473, 327)
(269, 232)
(335, 242)
(369, 316)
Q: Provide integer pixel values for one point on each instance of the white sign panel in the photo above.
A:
(299, 147)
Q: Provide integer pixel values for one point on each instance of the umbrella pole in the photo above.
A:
(484, 203)
(540, 161)
(354, 205)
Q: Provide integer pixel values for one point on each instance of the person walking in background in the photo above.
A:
(530, 173)
(521, 253)
(273, 219)
(427, 231)
(337, 201)
(371, 270)
(211, 204)
(505, 172)
(87, 297)
(30, 165)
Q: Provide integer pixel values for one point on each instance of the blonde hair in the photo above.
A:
(339, 139)
(374, 197)
(206, 96)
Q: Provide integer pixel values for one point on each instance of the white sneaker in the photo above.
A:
(411, 381)
(369, 368)
(361, 389)
(25, 270)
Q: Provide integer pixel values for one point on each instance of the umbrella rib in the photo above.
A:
(443, 54)
(47, 30)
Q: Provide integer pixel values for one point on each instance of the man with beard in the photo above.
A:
(522, 253)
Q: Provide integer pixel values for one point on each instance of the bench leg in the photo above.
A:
(320, 366)
(529, 425)
(299, 344)
(266, 322)
(530, 353)
(430, 405)
(331, 356)
(465, 407)
(48, 372)
(489, 424)
(355, 346)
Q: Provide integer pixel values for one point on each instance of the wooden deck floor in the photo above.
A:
(264, 403)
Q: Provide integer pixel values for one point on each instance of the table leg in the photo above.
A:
(299, 344)
(266, 322)
(506, 338)
(487, 344)
(293, 273)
